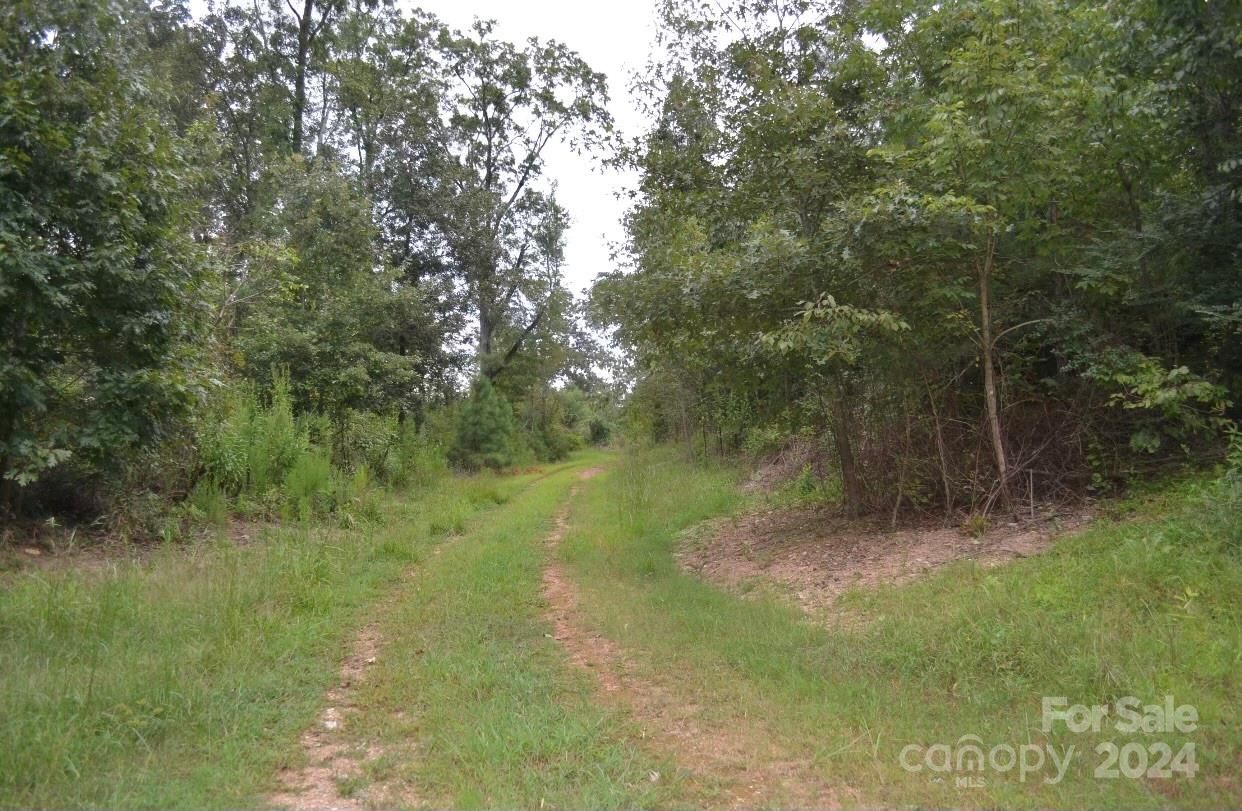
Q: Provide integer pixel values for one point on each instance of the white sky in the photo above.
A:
(614, 37)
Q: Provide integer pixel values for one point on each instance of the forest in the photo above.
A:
(272, 241)
(990, 249)
(904, 413)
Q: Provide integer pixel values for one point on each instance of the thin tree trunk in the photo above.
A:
(942, 452)
(6, 490)
(991, 397)
(901, 467)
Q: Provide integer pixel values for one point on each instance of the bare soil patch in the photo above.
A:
(815, 554)
(744, 762)
(332, 775)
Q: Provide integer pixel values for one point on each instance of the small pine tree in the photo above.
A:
(487, 432)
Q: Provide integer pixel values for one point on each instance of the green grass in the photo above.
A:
(185, 680)
(472, 702)
(1146, 606)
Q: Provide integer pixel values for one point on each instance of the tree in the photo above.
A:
(99, 285)
(487, 432)
(952, 244)
(505, 106)
(308, 23)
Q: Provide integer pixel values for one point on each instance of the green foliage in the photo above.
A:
(550, 418)
(271, 461)
(342, 330)
(934, 230)
(121, 681)
(1178, 403)
(417, 460)
(503, 230)
(99, 283)
(308, 484)
(1233, 461)
(488, 435)
(250, 447)
(922, 232)
(328, 190)
(209, 502)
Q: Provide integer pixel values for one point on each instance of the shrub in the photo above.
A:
(276, 442)
(599, 431)
(487, 432)
(365, 438)
(267, 458)
(246, 447)
(416, 459)
(353, 497)
(209, 502)
(309, 484)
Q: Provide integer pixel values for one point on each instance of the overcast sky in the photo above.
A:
(614, 38)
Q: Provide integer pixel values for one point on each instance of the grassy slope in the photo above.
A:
(473, 703)
(1143, 607)
(185, 681)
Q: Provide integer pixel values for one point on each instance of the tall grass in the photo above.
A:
(184, 680)
(1146, 606)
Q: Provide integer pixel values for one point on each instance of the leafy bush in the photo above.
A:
(553, 442)
(270, 461)
(415, 459)
(364, 438)
(557, 422)
(354, 499)
(100, 284)
(247, 447)
(599, 431)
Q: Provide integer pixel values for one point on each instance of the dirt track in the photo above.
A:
(745, 765)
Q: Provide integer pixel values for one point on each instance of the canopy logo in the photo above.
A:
(969, 762)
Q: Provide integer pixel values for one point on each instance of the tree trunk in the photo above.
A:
(487, 330)
(842, 430)
(991, 398)
(942, 452)
(299, 80)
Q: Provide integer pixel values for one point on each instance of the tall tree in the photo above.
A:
(950, 234)
(310, 19)
(505, 105)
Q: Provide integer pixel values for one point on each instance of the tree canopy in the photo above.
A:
(341, 195)
(979, 245)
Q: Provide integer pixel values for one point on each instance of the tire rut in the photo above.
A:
(333, 766)
(740, 764)
(332, 778)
